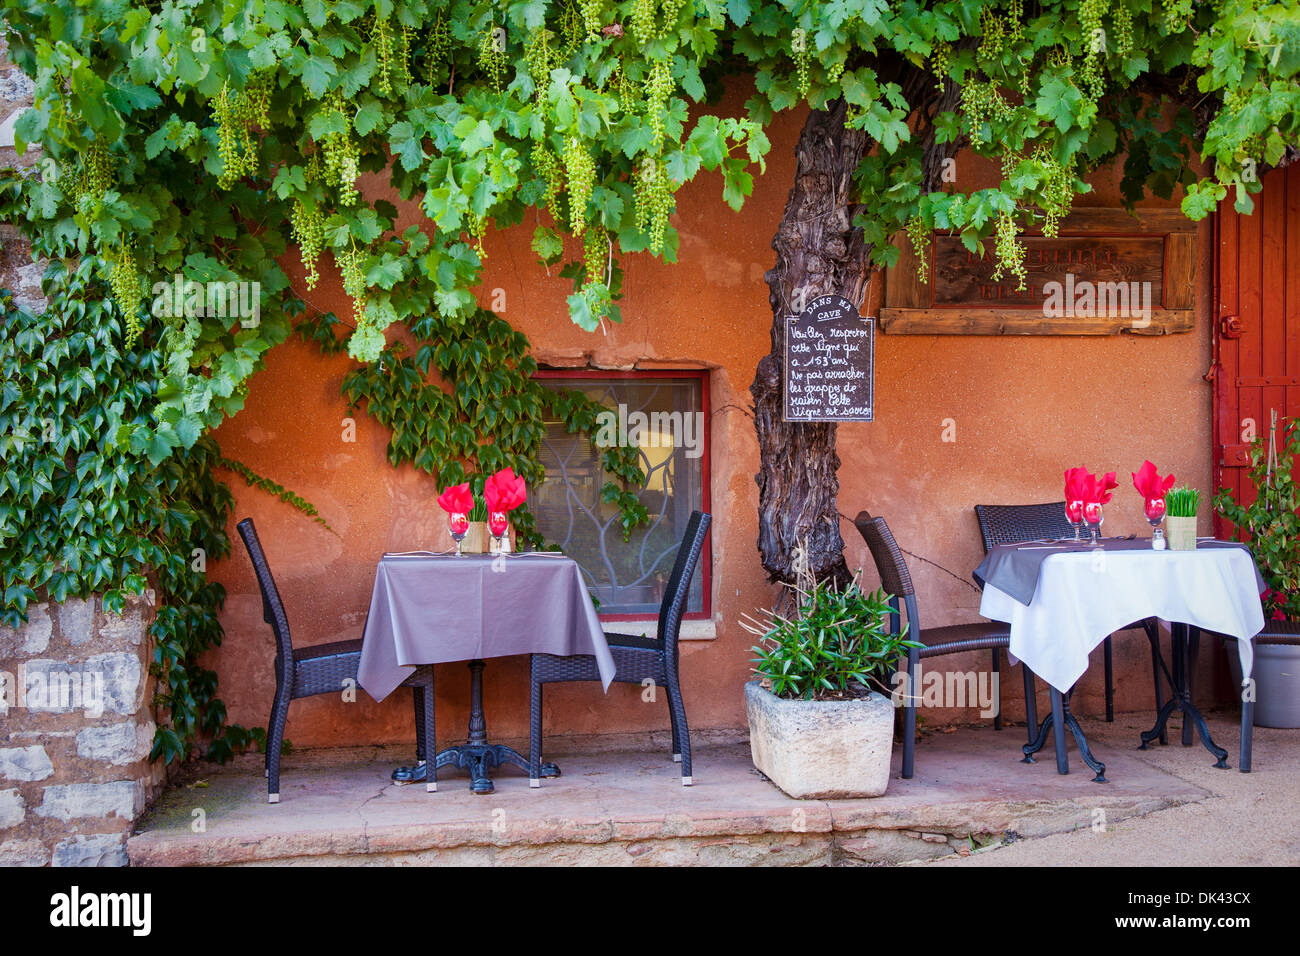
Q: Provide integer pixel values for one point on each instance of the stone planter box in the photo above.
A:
(821, 749)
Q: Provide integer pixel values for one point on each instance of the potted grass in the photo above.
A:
(1270, 523)
(1181, 505)
(819, 724)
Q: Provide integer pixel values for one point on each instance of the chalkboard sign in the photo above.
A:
(830, 363)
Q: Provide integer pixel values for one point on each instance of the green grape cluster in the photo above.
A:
(643, 21)
(592, 11)
(237, 113)
(1121, 19)
(342, 154)
(354, 279)
(580, 172)
(309, 232)
(940, 63)
(572, 27)
(1177, 13)
(540, 60)
(437, 49)
(1008, 251)
(659, 87)
(477, 228)
(124, 280)
(547, 165)
(86, 188)
(491, 58)
(834, 71)
(802, 57)
(994, 37)
(1057, 191)
(392, 52)
(654, 202)
(595, 254)
(627, 92)
(1094, 44)
(982, 102)
(918, 233)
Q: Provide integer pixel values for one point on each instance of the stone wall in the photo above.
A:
(17, 270)
(76, 726)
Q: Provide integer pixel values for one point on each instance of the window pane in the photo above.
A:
(662, 417)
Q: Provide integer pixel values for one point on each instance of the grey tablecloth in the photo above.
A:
(430, 609)
(1014, 568)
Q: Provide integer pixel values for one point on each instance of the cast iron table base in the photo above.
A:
(1061, 717)
(475, 755)
(1181, 683)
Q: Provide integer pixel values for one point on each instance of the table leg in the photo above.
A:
(475, 755)
(1058, 731)
(1181, 699)
(1247, 725)
(1062, 718)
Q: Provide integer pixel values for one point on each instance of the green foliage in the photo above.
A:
(1271, 522)
(836, 640)
(274, 488)
(81, 514)
(1182, 502)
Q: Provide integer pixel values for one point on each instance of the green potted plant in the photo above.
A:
(817, 728)
(1271, 525)
(1181, 505)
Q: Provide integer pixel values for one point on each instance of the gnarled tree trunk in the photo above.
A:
(818, 252)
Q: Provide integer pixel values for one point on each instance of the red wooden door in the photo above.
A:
(1257, 325)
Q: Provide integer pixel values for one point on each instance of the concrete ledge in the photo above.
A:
(629, 808)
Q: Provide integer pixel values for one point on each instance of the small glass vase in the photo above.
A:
(459, 525)
(1154, 508)
(1093, 516)
(1074, 515)
(498, 525)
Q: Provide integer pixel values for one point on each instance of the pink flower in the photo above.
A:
(1149, 483)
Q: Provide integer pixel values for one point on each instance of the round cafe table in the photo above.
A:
(1062, 599)
(429, 608)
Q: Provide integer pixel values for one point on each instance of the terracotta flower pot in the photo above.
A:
(1181, 533)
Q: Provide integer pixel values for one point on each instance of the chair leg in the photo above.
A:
(677, 736)
(1110, 682)
(1031, 703)
(535, 736)
(909, 715)
(997, 672)
(417, 692)
(425, 722)
(678, 715)
(275, 739)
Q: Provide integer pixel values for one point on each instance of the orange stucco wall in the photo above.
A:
(1024, 409)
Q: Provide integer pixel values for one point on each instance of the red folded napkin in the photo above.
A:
(1101, 488)
(457, 499)
(1076, 484)
(1149, 483)
(504, 491)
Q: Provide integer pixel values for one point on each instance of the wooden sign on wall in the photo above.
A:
(830, 367)
(1107, 272)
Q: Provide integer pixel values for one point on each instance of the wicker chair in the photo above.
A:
(636, 659)
(322, 669)
(937, 641)
(1011, 524)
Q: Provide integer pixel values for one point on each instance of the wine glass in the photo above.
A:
(459, 524)
(498, 525)
(1074, 515)
(1155, 512)
(1093, 516)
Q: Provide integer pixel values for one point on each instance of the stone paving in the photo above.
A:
(970, 798)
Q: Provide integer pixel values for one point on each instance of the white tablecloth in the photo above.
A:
(1082, 597)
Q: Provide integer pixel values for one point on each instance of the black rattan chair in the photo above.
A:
(1012, 524)
(936, 641)
(636, 659)
(322, 669)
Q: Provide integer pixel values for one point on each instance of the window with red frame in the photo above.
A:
(664, 414)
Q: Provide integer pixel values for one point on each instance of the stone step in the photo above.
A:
(620, 808)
